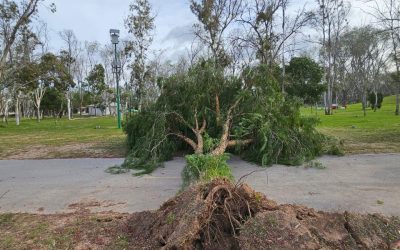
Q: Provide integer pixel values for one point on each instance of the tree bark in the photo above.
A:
(17, 115)
(217, 110)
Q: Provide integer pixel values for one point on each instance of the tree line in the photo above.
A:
(342, 64)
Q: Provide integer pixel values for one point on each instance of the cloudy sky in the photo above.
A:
(92, 19)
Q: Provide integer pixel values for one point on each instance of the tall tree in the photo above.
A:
(268, 30)
(96, 82)
(366, 47)
(387, 13)
(70, 56)
(305, 77)
(140, 24)
(331, 21)
(215, 17)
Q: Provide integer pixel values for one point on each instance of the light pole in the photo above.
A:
(116, 65)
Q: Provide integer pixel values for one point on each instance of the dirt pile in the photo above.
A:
(221, 215)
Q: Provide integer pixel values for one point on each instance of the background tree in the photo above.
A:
(13, 17)
(70, 55)
(366, 47)
(54, 75)
(305, 76)
(140, 23)
(387, 13)
(96, 82)
(331, 21)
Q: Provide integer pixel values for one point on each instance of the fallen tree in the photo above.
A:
(251, 117)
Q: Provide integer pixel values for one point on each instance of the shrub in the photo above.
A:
(205, 167)
(372, 100)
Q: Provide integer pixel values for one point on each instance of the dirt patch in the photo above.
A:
(65, 231)
(220, 215)
(88, 204)
(217, 215)
(76, 150)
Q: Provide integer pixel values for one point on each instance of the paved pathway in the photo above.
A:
(363, 183)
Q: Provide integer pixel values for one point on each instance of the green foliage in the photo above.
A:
(54, 73)
(148, 143)
(305, 77)
(372, 100)
(259, 113)
(53, 102)
(97, 84)
(281, 134)
(205, 167)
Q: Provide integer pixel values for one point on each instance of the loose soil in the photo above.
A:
(217, 215)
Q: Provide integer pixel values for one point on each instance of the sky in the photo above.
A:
(91, 20)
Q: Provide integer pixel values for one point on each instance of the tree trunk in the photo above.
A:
(364, 104)
(17, 104)
(217, 110)
(69, 107)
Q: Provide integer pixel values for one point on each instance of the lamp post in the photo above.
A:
(116, 65)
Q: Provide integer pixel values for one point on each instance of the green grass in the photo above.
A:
(377, 132)
(80, 137)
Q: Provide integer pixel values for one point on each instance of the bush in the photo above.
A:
(372, 100)
(205, 168)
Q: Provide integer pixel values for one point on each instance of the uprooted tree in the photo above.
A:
(252, 119)
(207, 110)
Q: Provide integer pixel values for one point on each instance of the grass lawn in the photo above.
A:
(64, 231)
(80, 137)
(378, 132)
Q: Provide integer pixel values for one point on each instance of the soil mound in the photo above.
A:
(221, 215)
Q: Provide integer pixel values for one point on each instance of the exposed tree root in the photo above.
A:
(220, 215)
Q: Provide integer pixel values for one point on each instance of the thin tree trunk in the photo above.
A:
(69, 107)
(17, 104)
(217, 110)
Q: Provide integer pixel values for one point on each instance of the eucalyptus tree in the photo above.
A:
(54, 75)
(97, 84)
(140, 23)
(367, 50)
(13, 16)
(215, 18)
(270, 27)
(387, 13)
(70, 54)
(331, 21)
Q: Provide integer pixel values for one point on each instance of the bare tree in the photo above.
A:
(71, 43)
(387, 13)
(38, 94)
(332, 22)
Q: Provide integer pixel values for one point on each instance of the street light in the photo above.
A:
(116, 65)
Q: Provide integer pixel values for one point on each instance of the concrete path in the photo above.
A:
(360, 183)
